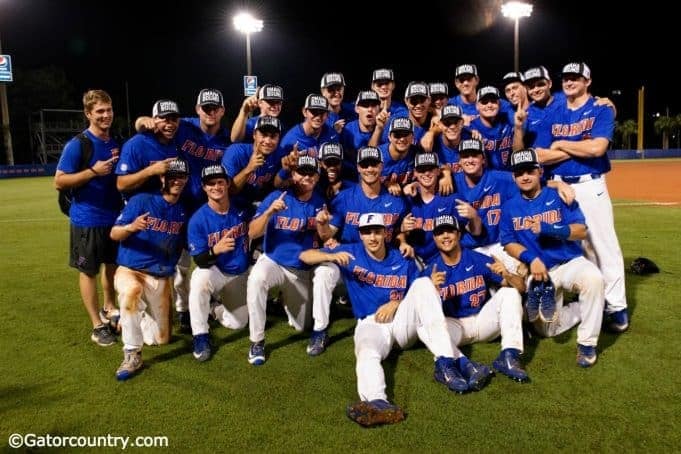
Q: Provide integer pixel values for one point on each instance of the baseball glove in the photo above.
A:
(642, 266)
(374, 413)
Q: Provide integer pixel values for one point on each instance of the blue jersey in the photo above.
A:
(347, 113)
(140, 152)
(518, 213)
(419, 132)
(536, 116)
(372, 283)
(307, 145)
(260, 182)
(291, 231)
(497, 140)
(471, 108)
(207, 227)
(398, 109)
(157, 249)
(250, 129)
(487, 196)
(200, 150)
(350, 203)
(401, 169)
(352, 138)
(465, 289)
(588, 122)
(449, 157)
(421, 238)
(97, 202)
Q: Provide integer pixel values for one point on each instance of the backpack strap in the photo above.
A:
(86, 148)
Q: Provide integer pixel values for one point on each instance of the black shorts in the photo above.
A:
(90, 247)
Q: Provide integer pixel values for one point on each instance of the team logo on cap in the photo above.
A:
(488, 91)
(307, 161)
(316, 102)
(416, 89)
(369, 153)
(267, 121)
(178, 167)
(426, 160)
(213, 171)
(577, 68)
(371, 219)
(466, 69)
(210, 96)
(438, 88)
(332, 79)
(330, 150)
(470, 145)
(401, 124)
(451, 111)
(382, 74)
(165, 107)
(524, 158)
(536, 73)
(271, 93)
(367, 96)
(446, 220)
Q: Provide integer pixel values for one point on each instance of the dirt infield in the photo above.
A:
(646, 180)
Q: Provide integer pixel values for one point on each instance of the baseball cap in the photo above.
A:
(426, 160)
(307, 163)
(539, 72)
(210, 96)
(401, 124)
(165, 107)
(467, 69)
(367, 97)
(445, 221)
(438, 89)
(371, 220)
(512, 77)
(177, 167)
(268, 122)
(213, 171)
(524, 159)
(451, 111)
(416, 89)
(330, 150)
(382, 74)
(369, 154)
(581, 69)
(471, 146)
(330, 79)
(488, 92)
(316, 102)
(271, 93)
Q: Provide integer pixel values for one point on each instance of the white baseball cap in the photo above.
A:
(371, 220)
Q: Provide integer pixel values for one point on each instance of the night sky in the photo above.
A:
(165, 50)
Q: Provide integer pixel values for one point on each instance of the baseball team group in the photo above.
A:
(449, 220)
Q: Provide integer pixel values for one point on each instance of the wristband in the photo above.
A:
(527, 256)
(284, 174)
(562, 232)
(93, 171)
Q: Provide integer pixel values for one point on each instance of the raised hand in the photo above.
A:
(323, 216)
(278, 204)
(438, 277)
(408, 223)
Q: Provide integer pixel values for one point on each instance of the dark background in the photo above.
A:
(170, 49)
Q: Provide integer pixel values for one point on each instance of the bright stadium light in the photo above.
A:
(247, 24)
(515, 10)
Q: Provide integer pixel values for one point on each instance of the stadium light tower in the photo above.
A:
(247, 24)
(515, 10)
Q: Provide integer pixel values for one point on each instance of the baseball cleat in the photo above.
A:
(534, 293)
(185, 322)
(256, 354)
(447, 374)
(103, 336)
(132, 362)
(476, 375)
(618, 322)
(374, 413)
(586, 355)
(547, 302)
(508, 363)
(202, 349)
(318, 343)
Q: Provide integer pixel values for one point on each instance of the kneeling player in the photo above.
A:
(539, 229)
(218, 242)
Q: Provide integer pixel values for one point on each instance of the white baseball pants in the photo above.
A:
(181, 282)
(231, 290)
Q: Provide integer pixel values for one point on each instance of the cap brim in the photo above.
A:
(442, 227)
(306, 167)
(520, 167)
(267, 128)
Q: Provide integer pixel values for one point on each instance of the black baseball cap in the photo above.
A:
(213, 171)
(524, 160)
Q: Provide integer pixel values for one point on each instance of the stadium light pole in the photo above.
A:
(247, 24)
(515, 10)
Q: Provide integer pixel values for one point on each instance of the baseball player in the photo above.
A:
(466, 81)
(427, 204)
(417, 98)
(463, 278)
(439, 97)
(539, 229)
(340, 113)
(306, 137)
(95, 205)
(268, 99)
(368, 196)
(151, 231)
(574, 142)
(392, 307)
(398, 155)
(287, 220)
(515, 90)
(383, 83)
(331, 178)
(218, 243)
(495, 127)
(356, 134)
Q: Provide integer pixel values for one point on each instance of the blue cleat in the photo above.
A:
(547, 302)
(586, 355)
(476, 375)
(132, 363)
(618, 322)
(256, 354)
(202, 350)
(374, 413)
(534, 293)
(447, 374)
(318, 343)
(508, 363)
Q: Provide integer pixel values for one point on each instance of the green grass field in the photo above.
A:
(55, 380)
